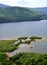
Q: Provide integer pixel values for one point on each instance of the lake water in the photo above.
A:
(30, 28)
(37, 28)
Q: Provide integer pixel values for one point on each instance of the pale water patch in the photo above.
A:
(41, 40)
(36, 47)
(23, 45)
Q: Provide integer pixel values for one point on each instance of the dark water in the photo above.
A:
(8, 30)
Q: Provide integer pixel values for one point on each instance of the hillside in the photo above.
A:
(42, 10)
(13, 14)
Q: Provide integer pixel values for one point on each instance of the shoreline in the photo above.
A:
(23, 21)
(25, 47)
(15, 38)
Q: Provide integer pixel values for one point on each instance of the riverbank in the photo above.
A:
(32, 47)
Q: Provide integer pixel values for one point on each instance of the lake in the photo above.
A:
(30, 28)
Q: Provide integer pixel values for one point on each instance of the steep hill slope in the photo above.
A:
(16, 14)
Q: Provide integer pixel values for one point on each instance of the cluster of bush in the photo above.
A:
(24, 59)
(35, 37)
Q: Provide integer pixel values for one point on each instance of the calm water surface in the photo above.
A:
(10, 30)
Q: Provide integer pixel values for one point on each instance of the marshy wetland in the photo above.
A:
(11, 45)
(24, 51)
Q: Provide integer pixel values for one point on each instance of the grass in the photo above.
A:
(27, 42)
(4, 60)
(22, 38)
(35, 37)
(26, 59)
(2, 56)
(29, 59)
(7, 45)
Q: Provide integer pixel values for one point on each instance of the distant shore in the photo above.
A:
(22, 21)
(15, 38)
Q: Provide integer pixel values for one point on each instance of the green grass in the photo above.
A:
(27, 42)
(25, 59)
(29, 59)
(24, 38)
(4, 60)
(7, 45)
(35, 37)
(2, 56)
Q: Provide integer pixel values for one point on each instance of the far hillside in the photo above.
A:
(42, 10)
(19, 14)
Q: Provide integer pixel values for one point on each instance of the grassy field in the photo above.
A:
(29, 59)
(24, 59)
(7, 45)
(2, 56)
(35, 37)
